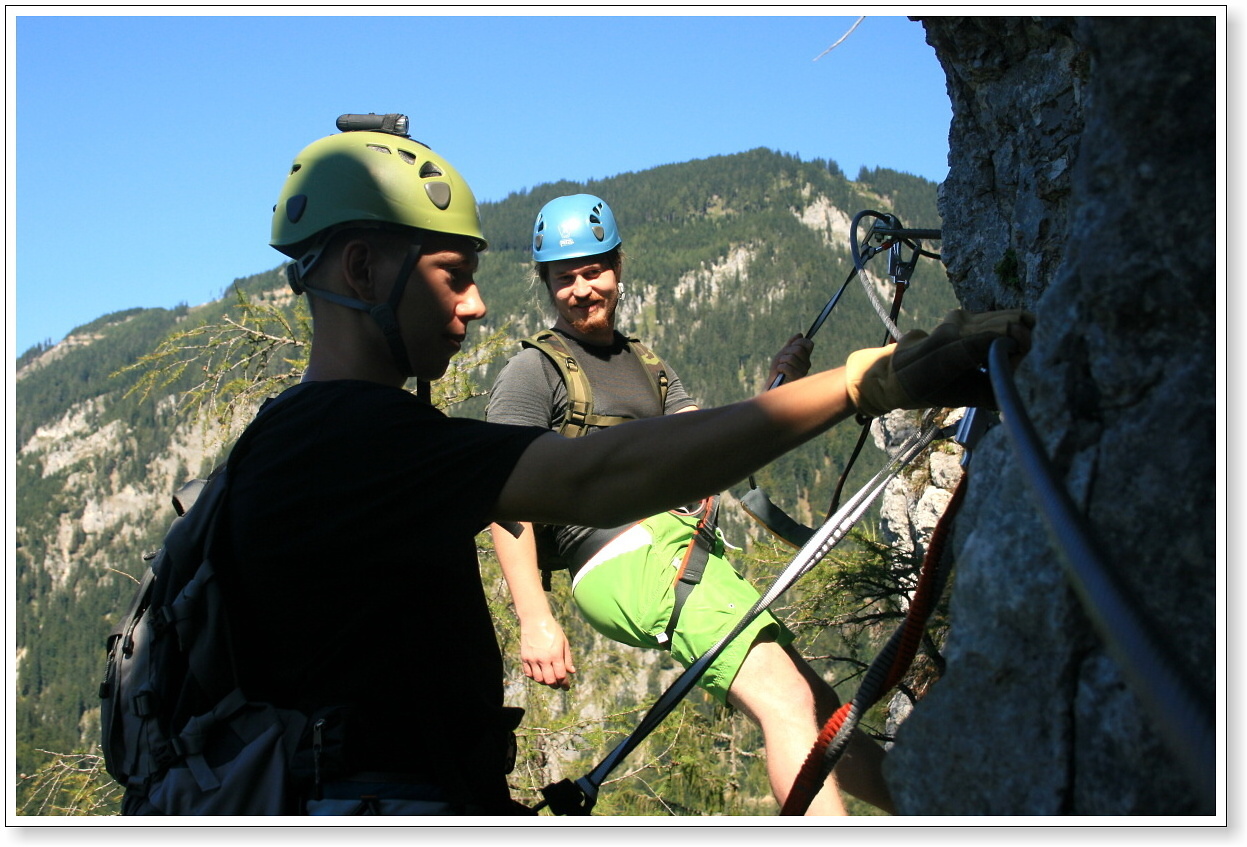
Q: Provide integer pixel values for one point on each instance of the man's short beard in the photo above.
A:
(604, 319)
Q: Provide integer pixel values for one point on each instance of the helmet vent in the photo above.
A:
(409, 158)
(295, 207)
(430, 169)
(439, 193)
(380, 148)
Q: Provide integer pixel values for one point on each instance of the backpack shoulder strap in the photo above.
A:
(578, 417)
(654, 369)
(193, 544)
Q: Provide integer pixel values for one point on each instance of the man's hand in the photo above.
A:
(793, 361)
(941, 369)
(545, 653)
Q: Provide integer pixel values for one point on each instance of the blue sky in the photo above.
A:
(149, 151)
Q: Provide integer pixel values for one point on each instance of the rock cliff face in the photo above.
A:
(1082, 186)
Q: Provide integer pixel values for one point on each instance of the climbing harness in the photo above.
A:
(693, 566)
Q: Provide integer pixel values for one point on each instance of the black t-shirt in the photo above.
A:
(353, 578)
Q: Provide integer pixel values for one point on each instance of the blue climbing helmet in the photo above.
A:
(573, 227)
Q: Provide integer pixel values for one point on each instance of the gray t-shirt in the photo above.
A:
(530, 392)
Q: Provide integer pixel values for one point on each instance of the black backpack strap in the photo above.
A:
(194, 542)
(694, 565)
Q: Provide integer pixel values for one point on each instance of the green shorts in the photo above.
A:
(627, 592)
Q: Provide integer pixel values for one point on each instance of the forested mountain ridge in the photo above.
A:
(726, 258)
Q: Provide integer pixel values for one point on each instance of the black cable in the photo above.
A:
(1183, 718)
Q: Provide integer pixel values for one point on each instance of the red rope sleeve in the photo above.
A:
(816, 767)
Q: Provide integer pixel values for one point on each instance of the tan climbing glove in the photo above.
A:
(922, 371)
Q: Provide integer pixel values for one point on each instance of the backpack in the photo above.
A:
(579, 418)
(178, 733)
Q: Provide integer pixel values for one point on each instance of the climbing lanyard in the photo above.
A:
(886, 233)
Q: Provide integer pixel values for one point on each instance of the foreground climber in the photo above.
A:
(352, 572)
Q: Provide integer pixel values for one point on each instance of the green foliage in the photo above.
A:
(68, 785)
(462, 382)
(260, 348)
(1008, 270)
(236, 361)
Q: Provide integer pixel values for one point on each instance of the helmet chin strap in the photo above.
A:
(384, 314)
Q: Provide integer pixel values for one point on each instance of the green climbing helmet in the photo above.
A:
(371, 174)
(369, 177)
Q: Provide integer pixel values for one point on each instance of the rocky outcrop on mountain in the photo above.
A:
(1082, 186)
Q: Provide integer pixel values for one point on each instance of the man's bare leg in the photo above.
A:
(860, 769)
(790, 703)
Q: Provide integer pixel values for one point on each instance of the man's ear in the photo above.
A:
(358, 261)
